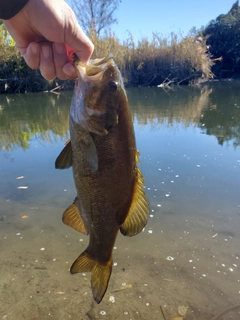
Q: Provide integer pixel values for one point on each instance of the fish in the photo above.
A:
(103, 156)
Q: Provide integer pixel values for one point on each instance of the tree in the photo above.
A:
(95, 15)
(224, 42)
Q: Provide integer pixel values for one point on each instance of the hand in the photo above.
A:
(44, 32)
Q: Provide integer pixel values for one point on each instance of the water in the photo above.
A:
(188, 255)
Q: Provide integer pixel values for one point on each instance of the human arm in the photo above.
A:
(42, 30)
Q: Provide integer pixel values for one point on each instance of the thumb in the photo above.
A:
(79, 43)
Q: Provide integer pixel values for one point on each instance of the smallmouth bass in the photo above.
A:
(103, 155)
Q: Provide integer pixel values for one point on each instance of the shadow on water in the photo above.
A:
(187, 256)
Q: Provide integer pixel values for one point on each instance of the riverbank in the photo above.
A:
(147, 63)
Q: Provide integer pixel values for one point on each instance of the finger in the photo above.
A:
(82, 45)
(47, 67)
(60, 59)
(70, 71)
(77, 39)
(32, 55)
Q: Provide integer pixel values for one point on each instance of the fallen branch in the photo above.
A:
(56, 88)
(162, 313)
(166, 83)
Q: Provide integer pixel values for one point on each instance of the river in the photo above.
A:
(187, 259)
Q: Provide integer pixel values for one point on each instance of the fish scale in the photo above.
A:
(102, 152)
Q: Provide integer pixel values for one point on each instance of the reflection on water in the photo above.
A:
(188, 255)
(33, 116)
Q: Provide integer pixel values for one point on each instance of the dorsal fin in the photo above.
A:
(139, 210)
(72, 218)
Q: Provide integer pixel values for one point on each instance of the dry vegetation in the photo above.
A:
(145, 63)
(150, 62)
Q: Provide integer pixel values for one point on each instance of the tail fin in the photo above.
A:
(100, 273)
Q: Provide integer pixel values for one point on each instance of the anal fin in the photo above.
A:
(72, 218)
(139, 210)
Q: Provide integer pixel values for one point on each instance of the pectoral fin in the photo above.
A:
(64, 160)
(90, 152)
(72, 218)
(139, 210)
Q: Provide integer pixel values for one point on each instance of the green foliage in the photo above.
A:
(16, 76)
(224, 42)
(7, 50)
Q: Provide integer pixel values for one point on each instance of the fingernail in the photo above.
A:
(60, 48)
(46, 52)
(34, 48)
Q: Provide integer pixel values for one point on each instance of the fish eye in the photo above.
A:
(112, 86)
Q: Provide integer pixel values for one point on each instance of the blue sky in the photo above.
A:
(142, 17)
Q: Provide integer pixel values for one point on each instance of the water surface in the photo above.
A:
(188, 255)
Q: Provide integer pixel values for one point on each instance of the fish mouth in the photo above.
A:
(96, 95)
(95, 69)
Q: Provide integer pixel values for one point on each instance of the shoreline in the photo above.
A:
(39, 84)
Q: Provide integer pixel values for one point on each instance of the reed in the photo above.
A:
(147, 62)
(150, 62)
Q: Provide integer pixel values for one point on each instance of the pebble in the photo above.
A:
(169, 258)
(103, 313)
